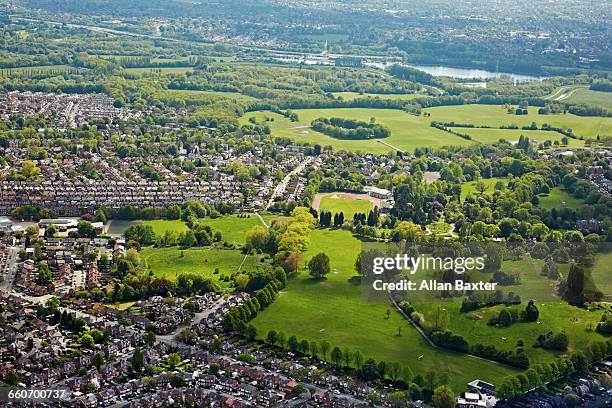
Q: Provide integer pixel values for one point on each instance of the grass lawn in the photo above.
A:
(489, 136)
(191, 94)
(603, 99)
(347, 206)
(234, 228)
(407, 131)
(495, 115)
(349, 96)
(120, 305)
(335, 310)
(554, 316)
(169, 262)
(559, 198)
(469, 188)
(161, 226)
(600, 274)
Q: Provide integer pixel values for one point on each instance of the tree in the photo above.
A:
(319, 266)
(272, 337)
(174, 359)
(137, 360)
(358, 358)
(443, 397)
(11, 378)
(98, 360)
(336, 356)
(87, 340)
(348, 357)
(149, 338)
(324, 349)
(531, 312)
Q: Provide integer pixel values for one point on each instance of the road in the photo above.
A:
(11, 269)
(282, 186)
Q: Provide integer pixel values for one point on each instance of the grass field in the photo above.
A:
(603, 99)
(469, 188)
(559, 198)
(349, 96)
(233, 228)
(407, 131)
(347, 206)
(495, 115)
(161, 226)
(600, 274)
(335, 310)
(488, 136)
(171, 262)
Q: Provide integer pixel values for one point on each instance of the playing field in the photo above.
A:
(339, 203)
(171, 262)
(559, 198)
(336, 310)
(165, 70)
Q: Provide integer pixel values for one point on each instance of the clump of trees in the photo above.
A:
(350, 129)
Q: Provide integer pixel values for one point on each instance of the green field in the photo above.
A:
(335, 310)
(489, 136)
(495, 115)
(559, 198)
(603, 99)
(349, 96)
(345, 205)
(171, 262)
(196, 94)
(234, 228)
(161, 226)
(600, 274)
(407, 131)
(469, 188)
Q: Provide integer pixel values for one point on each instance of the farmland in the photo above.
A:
(603, 99)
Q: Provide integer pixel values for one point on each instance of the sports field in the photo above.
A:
(233, 228)
(336, 310)
(346, 203)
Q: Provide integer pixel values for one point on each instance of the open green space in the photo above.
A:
(335, 310)
(489, 136)
(559, 198)
(195, 94)
(603, 99)
(347, 206)
(600, 274)
(407, 131)
(497, 116)
(171, 262)
(233, 228)
(469, 188)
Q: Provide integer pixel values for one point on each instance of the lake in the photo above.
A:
(464, 73)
